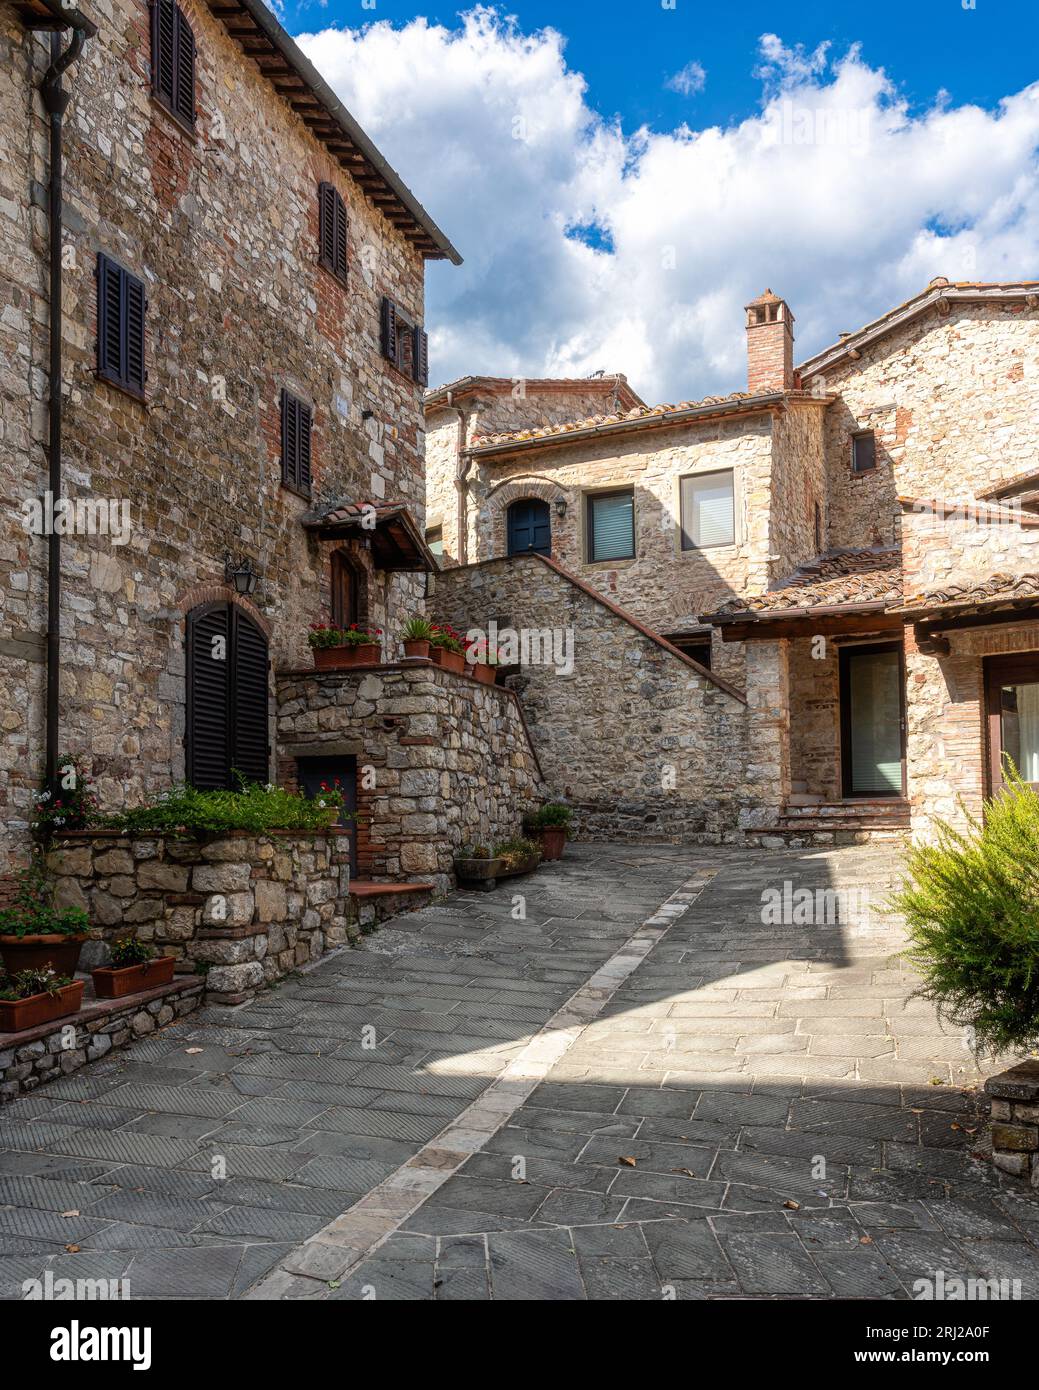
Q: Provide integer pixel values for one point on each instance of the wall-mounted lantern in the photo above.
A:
(240, 574)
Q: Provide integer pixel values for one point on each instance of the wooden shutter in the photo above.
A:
(208, 697)
(121, 305)
(184, 90)
(227, 698)
(389, 330)
(164, 43)
(296, 426)
(332, 230)
(249, 730)
(420, 358)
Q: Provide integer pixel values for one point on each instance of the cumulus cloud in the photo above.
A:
(590, 246)
(688, 80)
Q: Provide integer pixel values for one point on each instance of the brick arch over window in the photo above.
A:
(220, 593)
(501, 497)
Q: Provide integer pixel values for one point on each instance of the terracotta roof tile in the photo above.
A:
(997, 588)
(838, 577)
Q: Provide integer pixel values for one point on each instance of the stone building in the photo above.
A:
(848, 544)
(241, 364)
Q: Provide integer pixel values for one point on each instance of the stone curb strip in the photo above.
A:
(336, 1250)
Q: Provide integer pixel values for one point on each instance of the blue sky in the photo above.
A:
(671, 162)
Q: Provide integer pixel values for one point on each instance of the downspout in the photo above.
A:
(55, 101)
(461, 480)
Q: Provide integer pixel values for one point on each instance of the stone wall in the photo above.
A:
(244, 909)
(1015, 1120)
(644, 744)
(222, 228)
(442, 760)
(48, 1052)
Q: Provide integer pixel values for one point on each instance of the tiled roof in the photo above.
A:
(840, 577)
(654, 414)
(996, 589)
(396, 541)
(614, 383)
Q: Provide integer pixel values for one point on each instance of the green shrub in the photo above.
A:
(554, 814)
(32, 911)
(69, 805)
(130, 950)
(517, 852)
(29, 982)
(256, 807)
(971, 903)
(417, 630)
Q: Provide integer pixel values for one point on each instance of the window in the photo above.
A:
(332, 230)
(296, 423)
(529, 527)
(226, 730)
(611, 525)
(435, 541)
(863, 451)
(699, 648)
(346, 591)
(173, 61)
(708, 512)
(120, 326)
(404, 343)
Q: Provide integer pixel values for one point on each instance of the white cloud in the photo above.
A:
(688, 80)
(833, 192)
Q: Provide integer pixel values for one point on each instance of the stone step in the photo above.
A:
(865, 808)
(804, 799)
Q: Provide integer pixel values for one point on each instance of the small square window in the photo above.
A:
(863, 451)
(708, 510)
(698, 648)
(611, 526)
(435, 541)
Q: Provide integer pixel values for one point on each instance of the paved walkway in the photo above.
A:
(638, 1091)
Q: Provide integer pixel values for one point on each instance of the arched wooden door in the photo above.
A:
(529, 527)
(226, 730)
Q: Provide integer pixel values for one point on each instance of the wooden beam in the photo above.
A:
(772, 629)
(1027, 610)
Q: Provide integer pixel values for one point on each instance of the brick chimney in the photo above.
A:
(770, 344)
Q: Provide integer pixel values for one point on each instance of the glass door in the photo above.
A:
(872, 720)
(1013, 716)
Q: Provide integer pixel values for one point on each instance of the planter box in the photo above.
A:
(483, 673)
(416, 649)
(525, 866)
(342, 658)
(553, 838)
(52, 951)
(18, 1014)
(113, 982)
(450, 661)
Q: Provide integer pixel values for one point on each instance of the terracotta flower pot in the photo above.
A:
(483, 673)
(553, 838)
(332, 658)
(19, 1014)
(416, 648)
(365, 654)
(450, 661)
(53, 951)
(114, 981)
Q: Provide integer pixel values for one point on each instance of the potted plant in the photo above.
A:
(32, 997)
(133, 968)
(335, 648)
(69, 805)
(476, 864)
(549, 825)
(416, 635)
(518, 856)
(36, 935)
(330, 797)
(482, 659)
(447, 648)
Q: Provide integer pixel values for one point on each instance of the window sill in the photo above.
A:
(188, 132)
(296, 492)
(122, 387)
(690, 550)
(341, 279)
(622, 562)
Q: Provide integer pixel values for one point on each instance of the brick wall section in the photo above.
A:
(643, 745)
(770, 356)
(222, 229)
(245, 908)
(442, 760)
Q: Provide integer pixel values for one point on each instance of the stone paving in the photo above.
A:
(726, 1109)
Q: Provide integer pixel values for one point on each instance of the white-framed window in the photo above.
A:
(708, 510)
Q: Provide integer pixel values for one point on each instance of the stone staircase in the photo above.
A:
(808, 819)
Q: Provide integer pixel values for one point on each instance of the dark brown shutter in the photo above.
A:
(420, 358)
(389, 329)
(121, 306)
(164, 41)
(249, 729)
(208, 696)
(296, 428)
(184, 90)
(340, 238)
(332, 230)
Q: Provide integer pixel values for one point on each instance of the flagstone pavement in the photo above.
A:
(639, 1089)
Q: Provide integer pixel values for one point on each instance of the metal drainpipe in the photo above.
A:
(461, 481)
(55, 101)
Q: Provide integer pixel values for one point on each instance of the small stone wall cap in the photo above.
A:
(1018, 1083)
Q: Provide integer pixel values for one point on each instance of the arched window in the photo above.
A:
(529, 527)
(226, 731)
(347, 590)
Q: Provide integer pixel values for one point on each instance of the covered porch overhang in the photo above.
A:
(833, 620)
(394, 537)
(932, 617)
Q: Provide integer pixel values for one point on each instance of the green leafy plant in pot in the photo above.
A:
(134, 968)
(36, 935)
(416, 635)
(549, 824)
(31, 997)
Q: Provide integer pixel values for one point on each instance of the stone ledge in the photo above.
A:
(1018, 1083)
(101, 1008)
